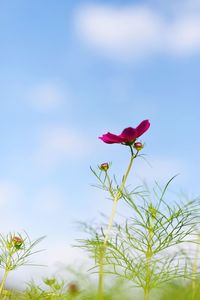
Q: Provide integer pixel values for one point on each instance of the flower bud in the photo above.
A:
(153, 211)
(73, 288)
(49, 281)
(17, 242)
(104, 167)
(57, 286)
(138, 146)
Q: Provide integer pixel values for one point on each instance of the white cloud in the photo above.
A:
(119, 31)
(47, 96)
(184, 35)
(58, 144)
(135, 31)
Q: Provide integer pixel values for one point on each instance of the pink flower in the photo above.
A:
(128, 135)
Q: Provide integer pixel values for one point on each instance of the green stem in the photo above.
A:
(3, 280)
(110, 224)
(149, 255)
(7, 269)
(146, 294)
(100, 287)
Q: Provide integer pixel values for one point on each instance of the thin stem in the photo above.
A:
(100, 287)
(110, 224)
(115, 201)
(132, 153)
(7, 268)
(3, 280)
(110, 185)
(149, 254)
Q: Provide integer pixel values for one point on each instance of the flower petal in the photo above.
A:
(110, 138)
(128, 134)
(142, 127)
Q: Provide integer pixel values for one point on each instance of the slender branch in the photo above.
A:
(149, 255)
(110, 224)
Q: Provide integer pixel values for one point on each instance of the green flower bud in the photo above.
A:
(49, 281)
(17, 242)
(138, 146)
(104, 167)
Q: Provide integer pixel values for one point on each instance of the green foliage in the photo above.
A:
(147, 251)
(149, 248)
(116, 290)
(54, 289)
(14, 254)
(180, 290)
(15, 251)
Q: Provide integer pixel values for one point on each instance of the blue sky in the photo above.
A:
(73, 70)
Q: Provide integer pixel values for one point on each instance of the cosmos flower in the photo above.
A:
(128, 135)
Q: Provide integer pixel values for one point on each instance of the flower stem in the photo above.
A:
(110, 224)
(3, 280)
(100, 287)
(149, 255)
(146, 294)
(7, 269)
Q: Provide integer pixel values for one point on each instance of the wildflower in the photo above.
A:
(128, 135)
(138, 146)
(17, 242)
(104, 167)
